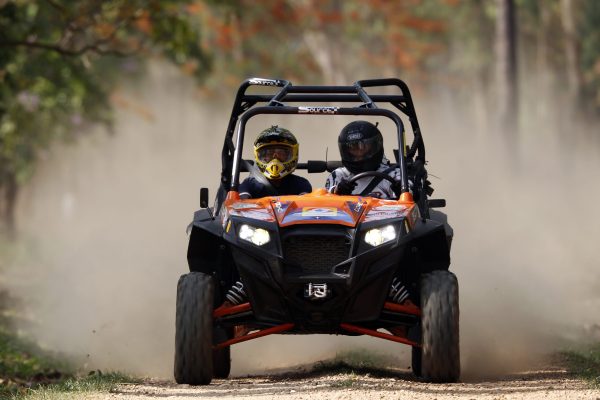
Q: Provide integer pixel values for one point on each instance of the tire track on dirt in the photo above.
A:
(544, 383)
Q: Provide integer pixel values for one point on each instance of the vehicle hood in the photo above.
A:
(319, 207)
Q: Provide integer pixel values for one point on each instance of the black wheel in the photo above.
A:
(194, 329)
(440, 354)
(417, 356)
(221, 357)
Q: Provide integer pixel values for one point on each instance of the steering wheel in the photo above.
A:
(373, 173)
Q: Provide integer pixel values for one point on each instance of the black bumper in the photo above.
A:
(276, 290)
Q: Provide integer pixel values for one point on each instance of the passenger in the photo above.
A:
(276, 156)
(361, 149)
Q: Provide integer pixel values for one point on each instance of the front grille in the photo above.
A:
(315, 254)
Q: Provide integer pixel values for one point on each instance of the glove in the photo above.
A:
(345, 187)
(397, 188)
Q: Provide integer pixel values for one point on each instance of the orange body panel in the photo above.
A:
(320, 207)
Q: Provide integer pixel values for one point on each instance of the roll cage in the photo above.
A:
(247, 106)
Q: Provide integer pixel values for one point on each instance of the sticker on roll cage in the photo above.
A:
(265, 82)
(317, 110)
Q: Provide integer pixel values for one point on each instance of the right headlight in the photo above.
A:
(257, 236)
(378, 236)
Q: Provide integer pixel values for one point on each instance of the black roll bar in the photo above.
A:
(235, 174)
(309, 95)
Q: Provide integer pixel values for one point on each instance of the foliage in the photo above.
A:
(427, 42)
(23, 364)
(27, 371)
(331, 42)
(585, 363)
(590, 46)
(96, 381)
(59, 61)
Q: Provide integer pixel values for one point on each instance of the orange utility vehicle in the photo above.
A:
(319, 263)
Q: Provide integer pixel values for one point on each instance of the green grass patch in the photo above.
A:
(71, 387)
(585, 363)
(23, 365)
(29, 372)
(359, 362)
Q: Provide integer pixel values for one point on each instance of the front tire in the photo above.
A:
(194, 329)
(417, 357)
(222, 357)
(440, 352)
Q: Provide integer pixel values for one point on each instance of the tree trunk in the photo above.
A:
(506, 69)
(543, 78)
(9, 191)
(325, 43)
(574, 80)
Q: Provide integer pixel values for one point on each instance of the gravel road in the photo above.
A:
(548, 383)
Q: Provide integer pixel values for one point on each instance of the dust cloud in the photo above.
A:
(103, 224)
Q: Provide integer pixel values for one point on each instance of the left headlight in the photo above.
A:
(257, 236)
(379, 236)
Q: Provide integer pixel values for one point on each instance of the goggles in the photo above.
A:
(280, 152)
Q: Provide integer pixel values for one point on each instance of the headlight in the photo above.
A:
(379, 236)
(257, 236)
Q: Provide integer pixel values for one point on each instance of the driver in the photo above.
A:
(276, 156)
(361, 148)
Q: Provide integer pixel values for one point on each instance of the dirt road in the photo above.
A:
(547, 384)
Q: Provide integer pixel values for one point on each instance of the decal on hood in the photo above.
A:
(386, 211)
(319, 211)
(297, 215)
(260, 214)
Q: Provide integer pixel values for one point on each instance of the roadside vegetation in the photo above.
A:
(72, 386)
(29, 372)
(23, 365)
(585, 363)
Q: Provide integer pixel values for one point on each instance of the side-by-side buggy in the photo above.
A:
(319, 263)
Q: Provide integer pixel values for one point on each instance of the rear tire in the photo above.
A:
(194, 329)
(440, 352)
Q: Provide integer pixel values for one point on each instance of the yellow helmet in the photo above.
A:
(276, 152)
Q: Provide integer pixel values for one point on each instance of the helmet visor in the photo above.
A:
(281, 152)
(359, 150)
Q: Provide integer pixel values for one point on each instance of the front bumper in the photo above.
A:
(357, 288)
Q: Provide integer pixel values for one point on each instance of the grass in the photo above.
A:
(29, 372)
(71, 387)
(358, 362)
(24, 365)
(585, 363)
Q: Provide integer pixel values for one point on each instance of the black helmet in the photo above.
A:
(361, 146)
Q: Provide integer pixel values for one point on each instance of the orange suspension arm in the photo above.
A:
(227, 310)
(381, 335)
(412, 310)
(250, 336)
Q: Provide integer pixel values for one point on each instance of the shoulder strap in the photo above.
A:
(375, 181)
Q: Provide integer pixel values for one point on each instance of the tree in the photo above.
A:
(332, 42)
(59, 61)
(506, 67)
(573, 65)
